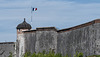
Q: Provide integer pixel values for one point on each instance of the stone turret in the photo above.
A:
(23, 27)
(20, 43)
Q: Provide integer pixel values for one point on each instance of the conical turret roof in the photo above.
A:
(24, 25)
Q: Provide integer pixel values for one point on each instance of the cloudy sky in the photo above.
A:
(58, 13)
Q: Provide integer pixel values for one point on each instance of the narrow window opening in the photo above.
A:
(18, 30)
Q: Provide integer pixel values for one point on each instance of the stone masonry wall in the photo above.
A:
(97, 38)
(39, 41)
(81, 40)
(6, 48)
(30, 41)
(46, 40)
(20, 45)
(84, 38)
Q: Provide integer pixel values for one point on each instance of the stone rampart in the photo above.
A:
(83, 38)
(6, 48)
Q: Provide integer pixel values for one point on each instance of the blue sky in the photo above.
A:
(58, 13)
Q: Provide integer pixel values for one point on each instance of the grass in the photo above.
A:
(51, 54)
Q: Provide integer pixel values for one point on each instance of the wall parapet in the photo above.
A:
(29, 31)
(7, 42)
(46, 29)
(66, 29)
(80, 26)
(41, 29)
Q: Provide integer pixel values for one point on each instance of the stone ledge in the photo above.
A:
(67, 29)
(46, 29)
(7, 42)
(80, 26)
(29, 31)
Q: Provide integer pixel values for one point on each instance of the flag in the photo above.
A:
(34, 9)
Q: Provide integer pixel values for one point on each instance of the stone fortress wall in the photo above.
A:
(82, 38)
(6, 48)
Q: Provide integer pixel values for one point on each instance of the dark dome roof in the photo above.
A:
(24, 25)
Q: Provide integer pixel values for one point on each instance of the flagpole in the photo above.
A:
(31, 18)
(33, 9)
(31, 15)
(31, 12)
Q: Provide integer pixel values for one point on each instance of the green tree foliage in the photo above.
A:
(10, 54)
(94, 56)
(78, 54)
(50, 54)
